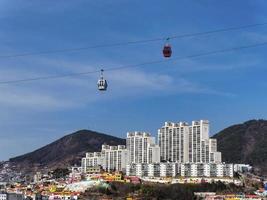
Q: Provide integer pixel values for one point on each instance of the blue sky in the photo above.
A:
(226, 89)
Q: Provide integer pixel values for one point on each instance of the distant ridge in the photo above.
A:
(245, 143)
(240, 143)
(65, 151)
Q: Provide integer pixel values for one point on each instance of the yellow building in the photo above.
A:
(112, 177)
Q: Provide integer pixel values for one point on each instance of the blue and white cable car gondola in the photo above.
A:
(102, 84)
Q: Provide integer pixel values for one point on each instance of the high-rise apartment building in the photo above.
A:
(111, 158)
(114, 157)
(142, 148)
(198, 137)
(91, 160)
(173, 142)
(182, 143)
(214, 155)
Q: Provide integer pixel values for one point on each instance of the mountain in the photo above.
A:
(245, 143)
(65, 151)
(241, 143)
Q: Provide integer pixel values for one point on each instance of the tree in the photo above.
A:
(60, 173)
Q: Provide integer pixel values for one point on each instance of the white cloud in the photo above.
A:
(31, 99)
(78, 91)
(137, 78)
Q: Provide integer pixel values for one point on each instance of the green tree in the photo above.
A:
(60, 173)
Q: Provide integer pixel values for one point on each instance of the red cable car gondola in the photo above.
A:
(167, 50)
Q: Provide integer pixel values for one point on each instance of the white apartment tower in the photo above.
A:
(91, 160)
(214, 155)
(111, 158)
(173, 142)
(184, 143)
(142, 148)
(114, 157)
(198, 137)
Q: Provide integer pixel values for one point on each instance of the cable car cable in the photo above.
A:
(135, 65)
(133, 42)
(218, 30)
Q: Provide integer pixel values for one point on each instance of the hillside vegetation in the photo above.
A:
(65, 151)
(245, 143)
